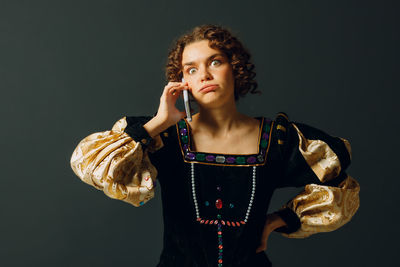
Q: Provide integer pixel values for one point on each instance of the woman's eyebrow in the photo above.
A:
(210, 57)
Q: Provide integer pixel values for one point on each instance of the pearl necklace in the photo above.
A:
(234, 224)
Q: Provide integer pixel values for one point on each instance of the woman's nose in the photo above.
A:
(205, 75)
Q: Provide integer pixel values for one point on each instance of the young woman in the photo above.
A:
(218, 172)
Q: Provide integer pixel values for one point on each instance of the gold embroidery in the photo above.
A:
(281, 127)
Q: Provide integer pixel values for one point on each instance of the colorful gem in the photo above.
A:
(218, 203)
(251, 159)
(242, 222)
(233, 224)
(198, 219)
(183, 131)
(190, 155)
(202, 221)
(237, 224)
(240, 160)
(184, 139)
(223, 222)
(228, 223)
(230, 160)
(216, 221)
(181, 124)
(200, 156)
(264, 143)
(219, 216)
(231, 205)
(206, 222)
(210, 158)
(207, 203)
(220, 159)
(220, 247)
(212, 221)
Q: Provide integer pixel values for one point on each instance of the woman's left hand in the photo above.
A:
(272, 222)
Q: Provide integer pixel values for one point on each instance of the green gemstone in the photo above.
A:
(201, 156)
(182, 124)
(267, 127)
(240, 160)
(221, 250)
(184, 139)
(219, 216)
(264, 143)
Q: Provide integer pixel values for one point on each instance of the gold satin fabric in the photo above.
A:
(323, 208)
(113, 162)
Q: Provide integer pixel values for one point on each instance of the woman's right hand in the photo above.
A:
(167, 111)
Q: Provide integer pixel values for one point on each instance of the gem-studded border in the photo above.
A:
(189, 156)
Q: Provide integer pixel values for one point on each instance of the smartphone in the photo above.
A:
(187, 103)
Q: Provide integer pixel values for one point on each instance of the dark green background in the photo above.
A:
(72, 68)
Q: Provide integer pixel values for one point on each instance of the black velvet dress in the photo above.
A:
(223, 186)
(215, 205)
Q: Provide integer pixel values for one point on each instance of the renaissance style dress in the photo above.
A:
(215, 205)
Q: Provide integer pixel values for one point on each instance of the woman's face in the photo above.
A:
(203, 65)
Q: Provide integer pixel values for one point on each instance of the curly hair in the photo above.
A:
(219, 38)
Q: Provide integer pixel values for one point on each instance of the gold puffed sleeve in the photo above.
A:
(318, 162)
(112, 161)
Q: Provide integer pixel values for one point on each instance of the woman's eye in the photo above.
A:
(189, 70)
(216, 60)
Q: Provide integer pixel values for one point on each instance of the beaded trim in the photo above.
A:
(220, 222)
(189, 156)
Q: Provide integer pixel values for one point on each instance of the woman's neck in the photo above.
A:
(218, 123)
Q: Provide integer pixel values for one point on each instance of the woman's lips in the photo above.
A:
(209, 88)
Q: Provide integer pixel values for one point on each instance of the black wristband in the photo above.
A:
(136, 130)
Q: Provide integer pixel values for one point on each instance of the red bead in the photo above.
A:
(233, 224)
(206, 222)
(212, 221)
(237, 223)
(220, 246)
(229, 224)
(219, 232)
(216, 221)
(202, 221)
(223, 222)
(220, 261)
(218, 203)
(198, 219)
(242, 222)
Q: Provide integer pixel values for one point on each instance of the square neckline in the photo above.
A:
(224, 159)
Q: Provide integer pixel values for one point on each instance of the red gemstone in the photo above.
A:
(202, 221)
(198, 219)
(229, 224)
(216, 221)
(219, 232)
(206, 222)
(237, 223)
(212, 221)
(220, 261)
(220, 246)
(218, 203)
(223, 222)
(233, 224)
(242, 222)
